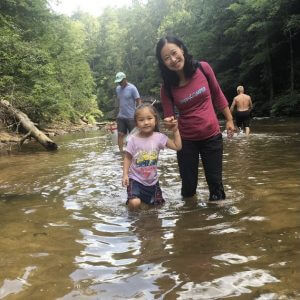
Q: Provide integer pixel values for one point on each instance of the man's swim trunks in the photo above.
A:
(242, 118)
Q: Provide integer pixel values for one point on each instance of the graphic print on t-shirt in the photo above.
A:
(193, 95)
(146, 162)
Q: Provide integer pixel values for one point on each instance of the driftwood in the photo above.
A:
(29, 126)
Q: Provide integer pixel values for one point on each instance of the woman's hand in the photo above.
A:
(229, 121)
(230, 128)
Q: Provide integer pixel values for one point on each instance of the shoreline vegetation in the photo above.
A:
(16, 128)
(56, 67)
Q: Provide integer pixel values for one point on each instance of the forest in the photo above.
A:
(55, 67)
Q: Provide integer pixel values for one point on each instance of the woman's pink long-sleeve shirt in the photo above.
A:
(195, 102)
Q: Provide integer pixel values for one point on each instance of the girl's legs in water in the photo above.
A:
(134, 203)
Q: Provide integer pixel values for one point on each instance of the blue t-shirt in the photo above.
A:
(127, 97)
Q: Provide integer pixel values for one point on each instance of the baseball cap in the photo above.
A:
(119, 77)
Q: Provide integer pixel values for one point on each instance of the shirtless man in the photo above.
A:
(243, 104)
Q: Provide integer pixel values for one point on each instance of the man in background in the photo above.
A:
(243, 105)
(128, 99)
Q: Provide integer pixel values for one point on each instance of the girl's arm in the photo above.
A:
(126, 165)
(175, 143)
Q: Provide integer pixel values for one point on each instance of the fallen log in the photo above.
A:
(29, 126)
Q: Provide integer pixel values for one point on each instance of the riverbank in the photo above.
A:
(10, 141)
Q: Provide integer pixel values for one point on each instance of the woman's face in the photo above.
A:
(172, 56)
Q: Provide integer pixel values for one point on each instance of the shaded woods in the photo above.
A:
(57, 68)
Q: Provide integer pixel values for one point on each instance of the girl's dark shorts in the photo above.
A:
(148, 194)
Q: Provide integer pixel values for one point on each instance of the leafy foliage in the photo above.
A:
(286, 105)
(55, 67)
(44, 68)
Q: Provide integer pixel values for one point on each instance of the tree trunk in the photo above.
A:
(269, 74)
(292, 63)
(29, 126)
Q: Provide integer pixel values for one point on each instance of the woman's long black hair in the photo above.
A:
(170, 78)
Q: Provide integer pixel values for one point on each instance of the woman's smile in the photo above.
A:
(173, 57)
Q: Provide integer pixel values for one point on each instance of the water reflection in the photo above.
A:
(228, 286)
(66, 232)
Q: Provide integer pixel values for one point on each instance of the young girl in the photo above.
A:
(141, 156)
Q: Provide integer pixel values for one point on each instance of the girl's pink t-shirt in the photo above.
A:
(145, 152)
(195, 102)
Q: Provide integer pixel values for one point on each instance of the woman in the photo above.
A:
(192, 88)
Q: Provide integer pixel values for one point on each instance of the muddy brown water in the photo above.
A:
(67, 234)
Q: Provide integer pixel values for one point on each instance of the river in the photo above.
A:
(66, 232)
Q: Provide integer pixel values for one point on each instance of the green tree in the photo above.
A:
(44, 62)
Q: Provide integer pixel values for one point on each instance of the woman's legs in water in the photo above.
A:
(211, 151)
(212, 155)
(188, 162)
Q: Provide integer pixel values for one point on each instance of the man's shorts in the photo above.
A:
(242, 118)
(125, 125)
(148, 194)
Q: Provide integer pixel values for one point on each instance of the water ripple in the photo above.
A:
(232, 258)
(229, 286)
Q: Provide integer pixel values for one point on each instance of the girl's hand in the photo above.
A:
(125, 180)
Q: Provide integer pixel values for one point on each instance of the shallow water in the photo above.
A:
(67, 234)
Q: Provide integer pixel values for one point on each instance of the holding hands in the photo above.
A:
(171, 123)
(174, 143)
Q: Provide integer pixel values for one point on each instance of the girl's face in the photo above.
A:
(145, 121)
(172, 56)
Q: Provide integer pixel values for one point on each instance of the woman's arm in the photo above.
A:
(167, 103)
(126, 164)
(217, 95)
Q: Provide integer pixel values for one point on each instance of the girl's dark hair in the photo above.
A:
(170, 78)
(153, 111)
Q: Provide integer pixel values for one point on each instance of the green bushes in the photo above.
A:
(286, 105)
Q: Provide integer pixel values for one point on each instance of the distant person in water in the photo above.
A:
(128, 98)
(243, 105)
(141, 156)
